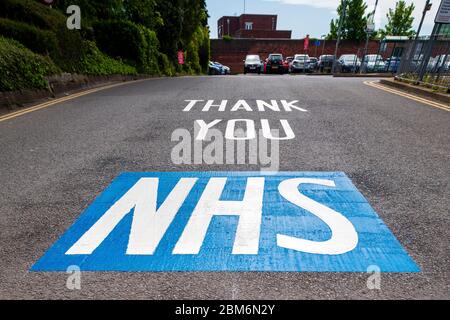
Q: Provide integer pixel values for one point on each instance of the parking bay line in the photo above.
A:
(61, 100)
(407, 95)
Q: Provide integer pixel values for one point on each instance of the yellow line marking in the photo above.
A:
(413, 97)
(409, 96)
(63, 99)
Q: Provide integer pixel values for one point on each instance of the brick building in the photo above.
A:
(251, 26)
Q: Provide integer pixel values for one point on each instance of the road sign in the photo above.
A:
(180, 57)
(370, 28)
(306, 43)
(443, 15)
(229, 221)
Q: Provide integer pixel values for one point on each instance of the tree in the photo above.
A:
(355, 21)
(334, 24)
(400, 21)
(185, 28)
(143, 12)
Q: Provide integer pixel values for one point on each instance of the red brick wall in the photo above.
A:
(234, 26)
(260, 22)
(231, 53)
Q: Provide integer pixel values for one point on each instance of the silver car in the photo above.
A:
(301, 63)
(252, 63)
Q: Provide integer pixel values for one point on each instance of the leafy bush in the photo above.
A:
(31, 12)
(21, 68)
(165, 66)
(141, 47)
(117, 37)
(39, 41)
(198, 50)
(95, 62)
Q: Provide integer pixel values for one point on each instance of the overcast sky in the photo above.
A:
(308, 16)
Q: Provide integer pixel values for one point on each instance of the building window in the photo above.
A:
(249, 26)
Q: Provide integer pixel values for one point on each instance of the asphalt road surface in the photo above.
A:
(56, 161)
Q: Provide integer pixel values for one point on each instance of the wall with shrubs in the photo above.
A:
(117, 37)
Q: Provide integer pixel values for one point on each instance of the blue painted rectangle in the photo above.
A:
(376, 244)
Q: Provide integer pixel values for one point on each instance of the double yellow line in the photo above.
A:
(376, 84)
(60, 100)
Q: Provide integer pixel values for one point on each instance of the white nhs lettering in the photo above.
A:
(150, 224)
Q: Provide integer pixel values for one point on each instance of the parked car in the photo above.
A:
(440, 63)
(349, 63)
(326, 63)
(225, 70)
(214, 69)
(301, 63)
(286, 64)
(252, 63)
(392, 64)
(274, 63)
(314, 63)
(373, 63)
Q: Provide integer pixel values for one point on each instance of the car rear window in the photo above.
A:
(276, 57)
(301, 57)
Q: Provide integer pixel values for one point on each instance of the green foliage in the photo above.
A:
(141, 47)
(95, 62)
(227, 38)
(95, 9)
(117, 36)
(400, 21)
(31, 12)
(21, 68)
(40, 41)
(354, 24)
(356, 21)
(334, 26)
(167, 68)
(143, 12)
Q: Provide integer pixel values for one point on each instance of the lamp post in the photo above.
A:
(370, 29)
(341, 22)
(428, 6)
(324, 37)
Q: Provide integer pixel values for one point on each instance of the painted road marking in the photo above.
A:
(61, 100)
(375, 84)
(229, 221)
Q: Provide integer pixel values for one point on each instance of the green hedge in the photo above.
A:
(197, 53)
(95, 62)
(21, 68)
(131, 42)
(31, 12)
(37, 40)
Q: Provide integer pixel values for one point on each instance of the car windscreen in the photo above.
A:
(301, 57)
(349, 58)
(276, 57)
(373, 58)
(252, 59)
